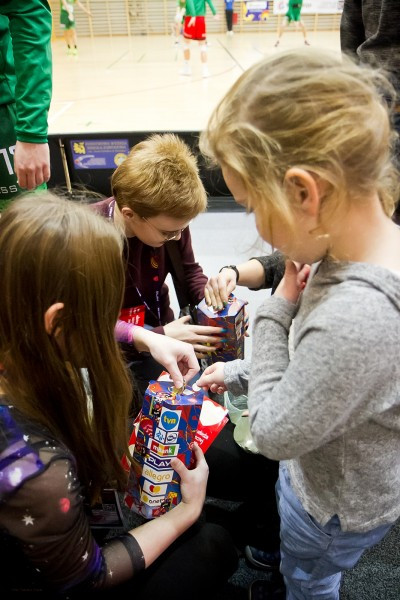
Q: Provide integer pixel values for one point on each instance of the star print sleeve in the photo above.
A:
(42, 508)
(47, 516)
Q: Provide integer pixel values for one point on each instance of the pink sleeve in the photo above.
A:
(124, 332)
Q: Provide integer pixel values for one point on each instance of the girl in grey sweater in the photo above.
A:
(304, 141)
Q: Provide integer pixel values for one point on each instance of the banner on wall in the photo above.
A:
(256, 10)
(311, 7)
(99, 154)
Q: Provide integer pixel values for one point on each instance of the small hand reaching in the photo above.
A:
(197, 335)
(177, 357)
(194, 481)
(293, 282)
(219, 287)
(213, 378)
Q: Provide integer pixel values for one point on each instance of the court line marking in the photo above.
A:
(154, 89)
(231, 55)
(53, 117)
(117, 60)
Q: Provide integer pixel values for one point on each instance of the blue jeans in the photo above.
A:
(313, 556)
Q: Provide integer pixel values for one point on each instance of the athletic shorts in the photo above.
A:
(293, 14)
(65, 21)
(9, 188)
(197, 32)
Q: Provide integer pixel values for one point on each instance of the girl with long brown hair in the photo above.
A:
(62, 433)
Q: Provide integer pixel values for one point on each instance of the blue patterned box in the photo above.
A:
(231, 318)
(167, 428)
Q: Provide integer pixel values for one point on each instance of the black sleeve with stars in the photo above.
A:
(43, 522)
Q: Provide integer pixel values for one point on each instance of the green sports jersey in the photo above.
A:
(25, 83)
(197, 8)
(65, 20)
(25, 65)
(294, 10)
(70, 4)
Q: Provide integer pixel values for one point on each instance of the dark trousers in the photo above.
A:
(250, 479)
(195, 566)
(229, 18)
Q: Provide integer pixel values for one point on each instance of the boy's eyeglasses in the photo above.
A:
(167, 235)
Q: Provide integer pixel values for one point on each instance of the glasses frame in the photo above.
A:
(169, 237)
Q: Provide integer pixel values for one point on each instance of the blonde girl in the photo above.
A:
(304, 140)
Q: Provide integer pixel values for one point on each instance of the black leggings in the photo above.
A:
(248, 478)
(229, 18)
(196, 566)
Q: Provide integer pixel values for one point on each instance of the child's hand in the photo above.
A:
(192, 22)
(293, 282)
(213, 378)
(219, 287)
(193, 482)
(177, 357)
(200, 336)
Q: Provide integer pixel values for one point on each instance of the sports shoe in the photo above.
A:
(267, 561)
(276, 44)
(262, 589)
(307, 43)
(186, 70)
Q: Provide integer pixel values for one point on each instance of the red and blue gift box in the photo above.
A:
(167, 428)
(232, 319)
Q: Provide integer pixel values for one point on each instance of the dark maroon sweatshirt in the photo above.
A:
(147, 269)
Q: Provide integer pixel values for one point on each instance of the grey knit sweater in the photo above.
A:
(332, 410)
(370, 29)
